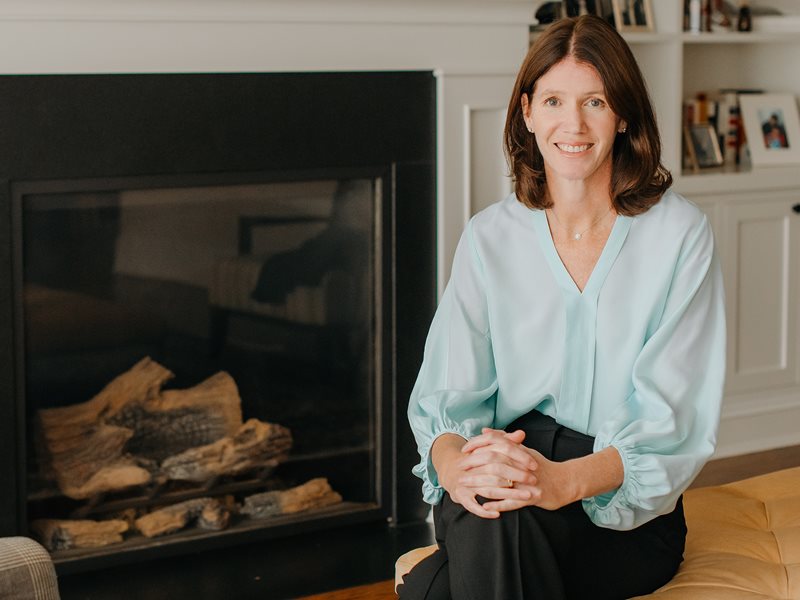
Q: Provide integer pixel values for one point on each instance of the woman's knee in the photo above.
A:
(428, 580)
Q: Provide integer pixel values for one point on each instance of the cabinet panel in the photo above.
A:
(761, 238)
(472, 170)
(487, 170)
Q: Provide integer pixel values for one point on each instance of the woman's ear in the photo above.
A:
(623, 126)
(526, 112)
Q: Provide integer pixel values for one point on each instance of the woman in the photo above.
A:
(572, 379)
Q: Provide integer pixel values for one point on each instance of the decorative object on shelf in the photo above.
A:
(549, 12)
(745, 22)
(709, 16)
(705, 16)
(772, 127)
(633, 15)
(693, 16)
(729, 127)
(722, 17)
(605, 10)
(702, 146)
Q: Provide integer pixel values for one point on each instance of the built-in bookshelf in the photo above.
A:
(679, 65)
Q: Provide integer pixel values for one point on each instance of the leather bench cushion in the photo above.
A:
(743, 541)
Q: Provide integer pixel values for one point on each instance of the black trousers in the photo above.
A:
(537, 554)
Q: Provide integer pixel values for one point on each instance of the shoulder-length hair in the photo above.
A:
(638, 179)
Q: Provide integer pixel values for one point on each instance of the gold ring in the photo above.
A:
(511, 483)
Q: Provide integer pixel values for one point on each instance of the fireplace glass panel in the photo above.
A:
(277, 284)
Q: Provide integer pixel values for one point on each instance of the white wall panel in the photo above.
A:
(486, 169)
(471, 166)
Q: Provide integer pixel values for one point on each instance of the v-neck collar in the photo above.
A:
(601, 268)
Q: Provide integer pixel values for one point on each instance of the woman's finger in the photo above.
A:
(516, 452)
(506, 442)
(503, 473)
(505, 505)
(486, 437)
(522, 461)
(471, 504)
(481, 482)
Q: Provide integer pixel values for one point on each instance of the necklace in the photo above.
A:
(578, 236)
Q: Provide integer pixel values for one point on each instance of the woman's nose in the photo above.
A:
(573, 120)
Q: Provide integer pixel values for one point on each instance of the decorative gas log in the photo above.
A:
(316, 493)
(256, 446)
(58, 534)
(91, 444)
(207, 512)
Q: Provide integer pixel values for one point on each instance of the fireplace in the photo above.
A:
(274, 229)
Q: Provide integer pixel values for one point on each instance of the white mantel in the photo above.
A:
(473, 47)
(88, 36)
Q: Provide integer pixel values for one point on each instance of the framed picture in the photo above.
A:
(702, 146)
(633, 15)
(772, 128)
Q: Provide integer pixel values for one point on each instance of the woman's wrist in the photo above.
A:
(445, 449)
(594, 474)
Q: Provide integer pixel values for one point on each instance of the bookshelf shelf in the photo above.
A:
(740, 38)
(722, 179)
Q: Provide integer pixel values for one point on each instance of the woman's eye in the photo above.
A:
(596, 103)
(551, 102)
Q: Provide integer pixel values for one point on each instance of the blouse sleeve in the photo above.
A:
(456, 386)
(666, 429)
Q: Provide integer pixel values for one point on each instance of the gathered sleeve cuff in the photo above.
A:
(456, 388)
(666, 429)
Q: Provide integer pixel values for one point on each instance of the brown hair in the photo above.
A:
(638, 179)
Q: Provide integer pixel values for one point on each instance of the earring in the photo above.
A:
(623, 130)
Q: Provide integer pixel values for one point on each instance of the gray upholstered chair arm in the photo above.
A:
(26, 571)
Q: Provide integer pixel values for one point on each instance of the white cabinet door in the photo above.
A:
(760, 264)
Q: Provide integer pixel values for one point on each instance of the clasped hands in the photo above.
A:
(497, 466)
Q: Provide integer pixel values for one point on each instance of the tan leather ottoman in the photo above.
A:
(743, 542)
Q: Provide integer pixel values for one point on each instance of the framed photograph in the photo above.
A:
(702, 146)
(772, 128)
(633, 15)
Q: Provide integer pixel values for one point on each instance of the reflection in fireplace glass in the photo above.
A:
(198, 357)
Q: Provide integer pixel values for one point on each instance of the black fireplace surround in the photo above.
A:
(247, 127)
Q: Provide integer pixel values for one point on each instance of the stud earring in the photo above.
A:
(623, 130)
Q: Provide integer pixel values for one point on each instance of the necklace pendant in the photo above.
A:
(578, 236)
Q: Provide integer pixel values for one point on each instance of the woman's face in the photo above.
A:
(574, 126)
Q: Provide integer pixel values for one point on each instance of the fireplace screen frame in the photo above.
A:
(383, 355)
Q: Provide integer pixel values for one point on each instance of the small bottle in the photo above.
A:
(695, 7)
(745, 22)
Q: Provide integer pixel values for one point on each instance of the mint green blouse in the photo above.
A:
(635, 360)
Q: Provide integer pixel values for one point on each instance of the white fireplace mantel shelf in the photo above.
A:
(446, 12)
(91, 36)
